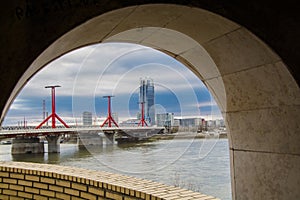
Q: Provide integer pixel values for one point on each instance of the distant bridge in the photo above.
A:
(11, 133)
(26, 140)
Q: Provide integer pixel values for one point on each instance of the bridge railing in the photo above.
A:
(29, 131)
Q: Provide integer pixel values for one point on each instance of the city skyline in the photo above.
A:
(91, 72)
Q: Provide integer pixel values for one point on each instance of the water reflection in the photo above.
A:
(176, 162)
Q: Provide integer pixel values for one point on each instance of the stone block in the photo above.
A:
(4, 185)
(239, 50)
(10, 192)
(32, 190)
(47, 193)
(97, 191)
(25, 183)
(40, 185)
(71, 192)
(62, 196)
(63, 183)
(25, 195)
(56, 188)
(4, 196)
(47, 180)
(79, 186)
(88, 196)
(16, 176)
(259, 175)
(32, 178)
(4, 174)
(39, 197)
(10, 180)
(270, 129)
(260, 87)
(112, 195)
(16, 187)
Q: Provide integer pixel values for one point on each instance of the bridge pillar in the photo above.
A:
(110, 138)
(53, 143)
(22, 145)
(89, 138)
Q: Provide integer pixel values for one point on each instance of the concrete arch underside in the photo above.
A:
(257, 94)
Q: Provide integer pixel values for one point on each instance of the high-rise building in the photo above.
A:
(165, 119)
(87, 118)
(147, 97)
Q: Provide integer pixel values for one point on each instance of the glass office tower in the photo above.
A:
(147, 96)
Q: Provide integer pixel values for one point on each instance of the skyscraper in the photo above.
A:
(147, 96)
(87, 118)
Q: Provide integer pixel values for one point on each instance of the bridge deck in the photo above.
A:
(48, 131)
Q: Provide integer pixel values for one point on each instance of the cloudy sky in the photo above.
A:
(87, 74)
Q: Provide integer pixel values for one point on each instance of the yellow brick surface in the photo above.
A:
(5, 197)
(25, 195)
(16, 198)
(62, 196)
(63, 183)
(148, 197)
(88, 196)
(127, 191)
(76, 198)
(78, 186)
(47, 193)
(9, 192)
(4, 174)
(17, 176)
(16, 187)
(72, 192)
(129, 198)
(25, 183)
(47, 180)
(112, 195)
(42, 181)
(142, 195)
(4, 185)
(56, 188)
(132, 192)
(9, 180)
(32, 190)
(40, 185)
(117, 188)
(122, 190)
(32, 178)
(39, 197)
(97, 191)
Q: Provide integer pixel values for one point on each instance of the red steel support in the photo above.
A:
(109, 118)
(142, 121)
(53, 114)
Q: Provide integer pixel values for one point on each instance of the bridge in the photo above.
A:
(27, 140)
(252, 67)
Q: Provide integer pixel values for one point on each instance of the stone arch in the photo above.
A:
(262, 98)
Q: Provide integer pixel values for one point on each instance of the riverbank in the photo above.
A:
(184, 135)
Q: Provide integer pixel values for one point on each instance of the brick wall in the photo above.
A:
(20, 180)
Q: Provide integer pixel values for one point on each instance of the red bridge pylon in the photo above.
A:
(109, 118)
(53, 114)
(142, 121)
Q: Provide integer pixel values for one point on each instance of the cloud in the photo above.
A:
(110, 69)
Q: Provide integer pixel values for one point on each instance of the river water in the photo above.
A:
(201, 165)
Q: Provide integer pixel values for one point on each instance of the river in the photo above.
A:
(201, 165)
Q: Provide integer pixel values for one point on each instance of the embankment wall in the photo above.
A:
(19, 180)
